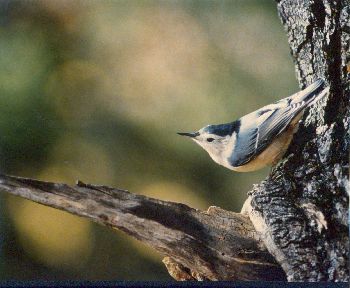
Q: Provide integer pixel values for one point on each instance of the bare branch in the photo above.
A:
(213, 245)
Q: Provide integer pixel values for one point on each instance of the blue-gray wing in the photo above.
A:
(279, 120)
(276, 124)
(251, 141)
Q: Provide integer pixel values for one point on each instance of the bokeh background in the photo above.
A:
(96, 91)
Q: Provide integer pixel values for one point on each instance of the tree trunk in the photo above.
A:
(294, 224)
(302, 208)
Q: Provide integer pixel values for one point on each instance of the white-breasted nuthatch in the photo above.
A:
(259, 138)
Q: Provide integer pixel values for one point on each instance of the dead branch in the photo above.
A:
(214, 245)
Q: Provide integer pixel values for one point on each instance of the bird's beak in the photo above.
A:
(189, 134)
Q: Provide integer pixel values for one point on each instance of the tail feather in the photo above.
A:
(312, 92)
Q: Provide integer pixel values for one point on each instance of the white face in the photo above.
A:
(218, 147)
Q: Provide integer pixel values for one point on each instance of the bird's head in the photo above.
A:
(217, 140)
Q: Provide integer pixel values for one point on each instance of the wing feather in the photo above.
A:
(253, 141)
(245, 147)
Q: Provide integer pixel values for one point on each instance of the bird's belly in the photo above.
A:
(272, 154)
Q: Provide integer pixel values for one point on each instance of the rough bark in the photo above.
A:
(301, 209)
(211, 245)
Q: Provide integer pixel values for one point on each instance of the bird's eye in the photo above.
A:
(210, 139)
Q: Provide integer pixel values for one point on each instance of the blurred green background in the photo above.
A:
(96, 91)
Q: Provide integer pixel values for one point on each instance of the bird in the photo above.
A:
(260, 138)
